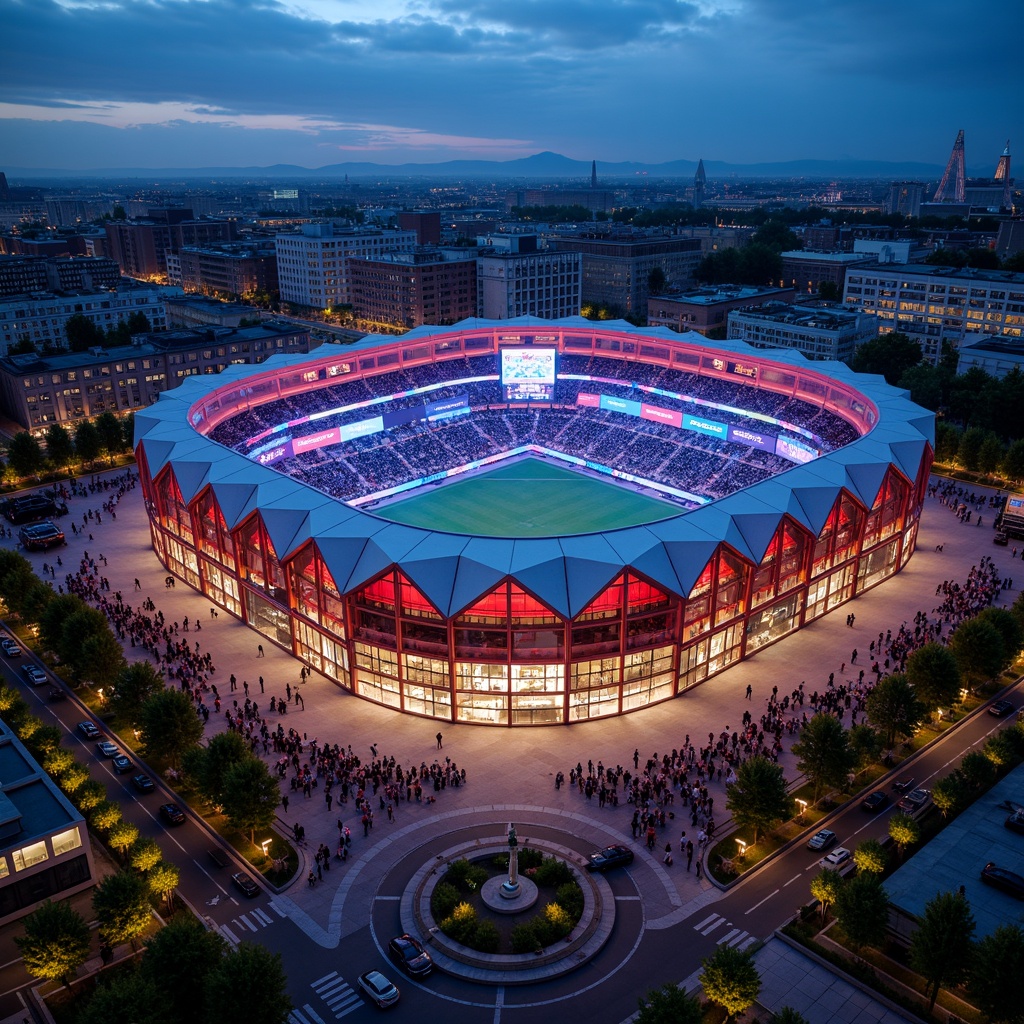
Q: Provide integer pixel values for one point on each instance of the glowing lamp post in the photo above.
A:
(743, 849)
(802, 804)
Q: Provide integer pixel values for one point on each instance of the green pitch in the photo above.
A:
(528, 498)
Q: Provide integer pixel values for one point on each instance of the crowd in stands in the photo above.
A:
(684, 459)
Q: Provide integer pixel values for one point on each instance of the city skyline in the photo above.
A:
(182, 83)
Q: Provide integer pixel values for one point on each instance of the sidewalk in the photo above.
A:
(510, 772)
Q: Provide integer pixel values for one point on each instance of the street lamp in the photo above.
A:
(803, 807)
(741, 843)
(266, 846)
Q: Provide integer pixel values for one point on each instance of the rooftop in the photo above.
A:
(722, 293)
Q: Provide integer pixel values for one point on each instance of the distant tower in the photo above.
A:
(5, 192)
(700, 179)
(1002, 174)
(952, 191)
(593, 174)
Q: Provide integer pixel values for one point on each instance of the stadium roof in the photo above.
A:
(566, 573)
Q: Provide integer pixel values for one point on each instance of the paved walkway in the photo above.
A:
(510, 772)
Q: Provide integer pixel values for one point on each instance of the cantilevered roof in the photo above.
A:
(566, 573)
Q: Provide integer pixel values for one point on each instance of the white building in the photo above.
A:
(542, 284)
(935, 304)
(312, 267)
(40, 318)
(819, 332)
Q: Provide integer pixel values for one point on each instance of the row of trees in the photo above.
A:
(83, 334)
(185, 972)
(106, 436)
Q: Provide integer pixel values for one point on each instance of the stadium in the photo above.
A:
(531, 522)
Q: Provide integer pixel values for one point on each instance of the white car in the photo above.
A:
(839, 858)
(379, 989)
(35, 675)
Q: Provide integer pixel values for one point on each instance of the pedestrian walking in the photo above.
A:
(750, 691)
(438, 737)
(259, 651)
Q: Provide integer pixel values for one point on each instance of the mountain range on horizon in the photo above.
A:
(552, 166)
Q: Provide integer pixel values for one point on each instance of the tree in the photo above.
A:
(1010, 630)
(90, 796)
(870, 857)
(250, 796)
(55, 943)
(787, 1015)
(132, 687)
(824, 754)
(248, 986)
(25, 455)
(60, 449)
(128, 996)
(170, 725)
(758, 798)
(208, 766)
(865, 743)
(144, 854)
(948, 793)
(111, 436)
(656, 281)
(1013, 461)
(178, 959)
(863, 910)
(977, 770)
(87, 442)
(829, 291)
(904, 831)
(105, 815)
(893, 708)
(122, 836)
(162, 879)
(669, 1004)
(825, 886)
(138, 323)
(978, 648)
(969, 452)
(100, 657)
(121, 904)
(730, 979)
(996, 958)
(82, 333)
(990, 455)
(935, 676)
(940, 948)
(891, 355)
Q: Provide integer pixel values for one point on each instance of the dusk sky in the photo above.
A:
(187, 83)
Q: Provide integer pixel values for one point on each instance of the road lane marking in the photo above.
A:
(712, 927)
(791, 881)
(756, 905)
(707, 920)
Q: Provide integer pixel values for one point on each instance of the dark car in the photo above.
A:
(172, 814)
(88, 730)
(143, 783)
(410, 955)
(1001, 708)
(244, 884)
(56, 693)
(822, 840)
(904, 785)
(610, 857)
(1015, 822)
(1000, 878)
(106, 748)
(122, 763)
(914, 801)
(378, 988)
(1001, 539)
(875, 802)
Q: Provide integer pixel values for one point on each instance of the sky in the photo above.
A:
(87, 84)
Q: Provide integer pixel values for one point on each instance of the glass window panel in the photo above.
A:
(65, 842)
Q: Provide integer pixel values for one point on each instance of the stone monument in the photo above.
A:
(510, 889)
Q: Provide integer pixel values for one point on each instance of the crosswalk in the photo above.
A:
(338, 995)
(248, 922)
(735, 937)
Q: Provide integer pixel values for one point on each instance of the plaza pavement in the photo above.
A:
(510, 772)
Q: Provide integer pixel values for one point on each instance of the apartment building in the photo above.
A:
(818, 331)
(544, 284)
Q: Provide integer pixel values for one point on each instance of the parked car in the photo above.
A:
(378, 988)
(172, 814)
(1000, 538)
(122, 763)
(1001, 878)
(610, 857)
(244, 884)
(410, 955)
(1015, 822)
(143, 783)
(914, 801)
(107, 749)
(35, 675)
(1001, 708)
(837, 859)
(875, 802)
(56, 693)
(10, 648)
(88, 730)
(822, 840)
(904, 785)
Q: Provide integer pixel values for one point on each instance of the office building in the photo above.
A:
(312, 267)
(703, 309)
(141, 246)
(37, 391)
(544, 284)
(818, 331)
(45, 852)
(21, 275)
(39, 318)
(617, 269)
(935, 304)
(234, 269)
(996, 356)
(426, 224)
(406, 289)
(806, 270)
(905, 198)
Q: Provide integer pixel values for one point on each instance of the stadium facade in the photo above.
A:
(532, 630)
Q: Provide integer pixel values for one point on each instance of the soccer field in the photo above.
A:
(528, 498)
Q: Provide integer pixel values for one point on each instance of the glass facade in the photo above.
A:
(506, 658)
